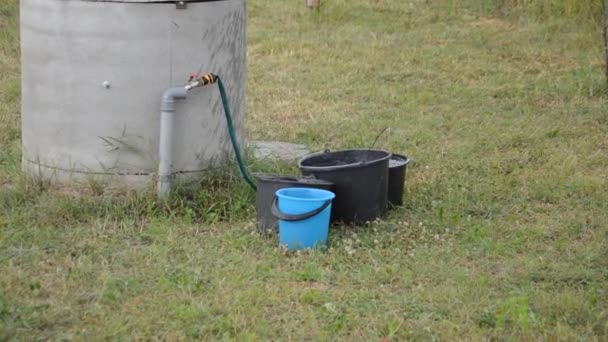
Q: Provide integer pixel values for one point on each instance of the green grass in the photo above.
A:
(582, 10)
(504, 234)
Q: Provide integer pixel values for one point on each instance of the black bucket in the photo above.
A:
(268, 185)
(397, 167)
(360, 180)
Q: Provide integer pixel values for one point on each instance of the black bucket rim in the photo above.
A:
(346, 166)
(400, 157)
(289, 179)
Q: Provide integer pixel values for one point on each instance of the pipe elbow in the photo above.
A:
(169, 97)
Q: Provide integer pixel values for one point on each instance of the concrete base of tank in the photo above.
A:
(132, 181)
(274, 151)
(278, 150)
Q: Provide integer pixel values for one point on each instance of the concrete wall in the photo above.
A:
(73, 125)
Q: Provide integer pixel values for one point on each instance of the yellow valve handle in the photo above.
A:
(203, 80)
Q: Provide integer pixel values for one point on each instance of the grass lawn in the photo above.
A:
(504, 232)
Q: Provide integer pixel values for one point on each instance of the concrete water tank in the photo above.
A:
(93, 73)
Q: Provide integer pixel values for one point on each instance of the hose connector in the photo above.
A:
(197, 80)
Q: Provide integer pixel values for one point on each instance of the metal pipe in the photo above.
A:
(165, 149)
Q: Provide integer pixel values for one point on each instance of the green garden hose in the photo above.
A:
(235, 145)
(197, 80)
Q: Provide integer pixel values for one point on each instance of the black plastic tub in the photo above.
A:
(397, 167)
(268, 184)
(360, 180)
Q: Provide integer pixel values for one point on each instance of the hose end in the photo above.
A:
(197, 80)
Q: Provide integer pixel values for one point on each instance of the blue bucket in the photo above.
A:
(303, 215)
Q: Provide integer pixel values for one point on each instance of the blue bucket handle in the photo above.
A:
(276, 212)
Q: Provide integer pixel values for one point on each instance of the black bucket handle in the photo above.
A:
(297, 217)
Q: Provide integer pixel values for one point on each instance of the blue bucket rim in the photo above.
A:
(329, 195)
